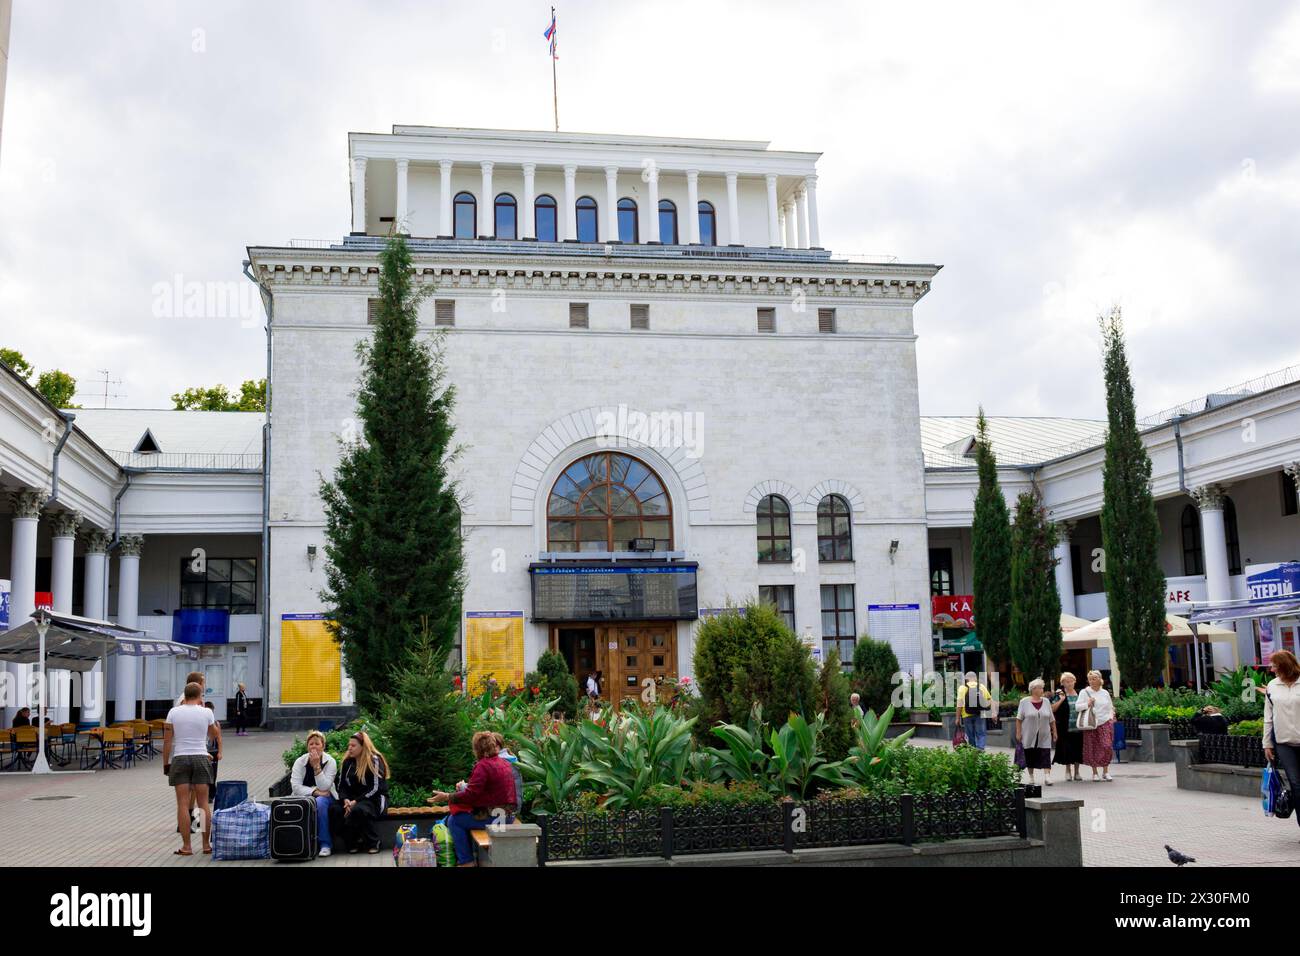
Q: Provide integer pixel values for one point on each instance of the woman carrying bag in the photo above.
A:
(1282, 721)
(1096, 718)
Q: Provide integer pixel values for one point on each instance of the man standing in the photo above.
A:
(186, 762)
(973, 703)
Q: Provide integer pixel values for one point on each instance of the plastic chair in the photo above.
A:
(117, 750)
(142, 737)
(25, 742)
(6, 749)
(67, 742)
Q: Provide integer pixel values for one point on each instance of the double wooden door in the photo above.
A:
(628, 657)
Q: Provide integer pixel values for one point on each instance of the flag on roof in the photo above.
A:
(550, 34)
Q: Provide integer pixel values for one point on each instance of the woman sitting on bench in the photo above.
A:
(487, 798)
(362, 786)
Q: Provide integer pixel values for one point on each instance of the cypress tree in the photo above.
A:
(1035, 604)
(991, 552)
(395, 560)
(1130, 528)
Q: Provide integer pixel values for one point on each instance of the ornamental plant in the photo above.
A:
(874, 667)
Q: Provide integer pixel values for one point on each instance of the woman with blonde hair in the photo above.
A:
(312, 775)
(1069, 742)
(489, 796)
(1282, 721)
(363, 792)
(1096, 718)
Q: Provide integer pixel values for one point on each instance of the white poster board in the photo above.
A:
(901, 626)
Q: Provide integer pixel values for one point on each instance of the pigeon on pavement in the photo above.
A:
(1177, 858)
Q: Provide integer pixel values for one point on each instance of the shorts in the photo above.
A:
(190, 771)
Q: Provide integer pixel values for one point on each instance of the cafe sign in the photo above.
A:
(953, 610)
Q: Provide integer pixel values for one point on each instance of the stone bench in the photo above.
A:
(1213, 777)
(509, 844)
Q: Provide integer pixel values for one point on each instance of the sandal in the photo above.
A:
(207, 850)
(183, 852)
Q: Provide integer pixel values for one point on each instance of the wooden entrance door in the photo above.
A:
(638, 653)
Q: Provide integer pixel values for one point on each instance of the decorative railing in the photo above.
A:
(1231, 750)
(1180, 728)
(788, 826)
(1132, 729)
(187, 461)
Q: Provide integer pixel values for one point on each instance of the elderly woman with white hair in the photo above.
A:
(1036, 731)
(1096, 718)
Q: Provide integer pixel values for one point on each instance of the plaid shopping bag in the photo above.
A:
(242, 832)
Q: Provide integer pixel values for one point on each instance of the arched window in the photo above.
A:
(627, 221)
(667, 221)
(834, 537)
(466, 220)
(774, 529)
(545, 219)
(1231, 536)
(506, 217)
(603, 502)
(587, 220)
(1193, 556)
(708, 224)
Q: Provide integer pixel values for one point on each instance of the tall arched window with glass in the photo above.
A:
(774, 530)
(588, 219)
(466, 216)
(834, 532)
(1193, 554)
(627, 221)
(708, 224)
(667, 222)
(545, 219)
(506, 217)
(605, 501)
(1232, 537)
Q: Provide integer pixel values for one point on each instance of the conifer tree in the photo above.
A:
(395, 561)
(1130, 528)
(1035, 603)
(991, 552)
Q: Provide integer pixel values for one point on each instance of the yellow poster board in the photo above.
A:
(311, 661)
(494, 647)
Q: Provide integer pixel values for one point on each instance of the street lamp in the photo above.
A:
(41, 765)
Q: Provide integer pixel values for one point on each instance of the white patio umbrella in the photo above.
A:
(76, 644)
(1097, 634)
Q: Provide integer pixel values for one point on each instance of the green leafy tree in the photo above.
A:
(14, 359)
(1130, 528)
(395, 557)
(749, 656)
(833, 702)
(554, 682)
(1035, 604)
(427, 738)
(203, 399)
(991, 551)
(252, 396)
(58, 388)
(874, 667)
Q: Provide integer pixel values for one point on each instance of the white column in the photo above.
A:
(814, 231)
(400, 225)
(528, 227)
(788, 210)
(487, 205)
(733, 212)
(63, 541)
(92, 600)
(773, 217)
(570, 212)
(651, 218)
(126, 687)
(1065, 568)
(693, 206)
(1214, 547)
(445, 228)
(611, 203)
(800, 217)
(359, 194)
(22, 581)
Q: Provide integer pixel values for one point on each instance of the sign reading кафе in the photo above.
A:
(614, 592)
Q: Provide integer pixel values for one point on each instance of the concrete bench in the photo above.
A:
(508, 844)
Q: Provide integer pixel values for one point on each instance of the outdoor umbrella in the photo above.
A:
(75, 643)
(1097, 634)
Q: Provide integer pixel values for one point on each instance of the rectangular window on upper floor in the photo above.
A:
(577, 315)
(444, 313)
(826, 320)
(767, 320)
(640, 316)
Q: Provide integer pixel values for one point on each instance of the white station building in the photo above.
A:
(671, 397)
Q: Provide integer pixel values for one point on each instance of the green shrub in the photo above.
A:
(1163, 714)
(874, 667)
(553, 680)
(426, 734)
(743, 658)
(1247, 728)
(833, 701)
(1133, 703)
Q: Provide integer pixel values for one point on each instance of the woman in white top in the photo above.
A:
(313, 775)
(1282, 721)
(1096, 718)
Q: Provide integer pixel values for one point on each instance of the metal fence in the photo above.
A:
(187, 461)
(1232, 750)
(789, 826)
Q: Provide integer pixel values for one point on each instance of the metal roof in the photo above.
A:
(184, 439)
(1016, 441)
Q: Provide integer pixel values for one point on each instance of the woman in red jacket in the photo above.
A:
(488, 798)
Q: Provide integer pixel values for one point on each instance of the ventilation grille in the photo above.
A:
(767, 320)
(444, 312)
(640, 316)
(825, 320)
(577, 315)
(372, 310)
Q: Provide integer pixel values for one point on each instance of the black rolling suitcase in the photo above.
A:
(293, 829)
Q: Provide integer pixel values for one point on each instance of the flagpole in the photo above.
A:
(555, 94)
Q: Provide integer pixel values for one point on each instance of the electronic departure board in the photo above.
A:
(614, 592)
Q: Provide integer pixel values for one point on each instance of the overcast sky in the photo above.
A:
(1053, 157)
